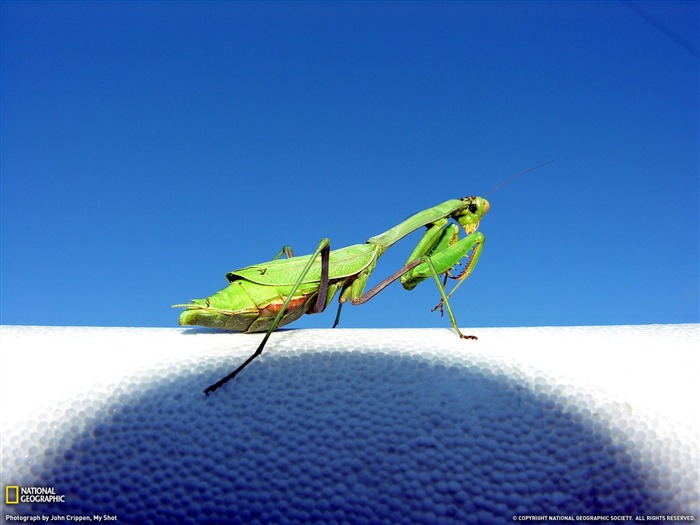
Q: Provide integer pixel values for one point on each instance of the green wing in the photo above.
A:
(280, 272)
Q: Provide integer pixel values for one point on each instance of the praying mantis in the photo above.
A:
(264, 297)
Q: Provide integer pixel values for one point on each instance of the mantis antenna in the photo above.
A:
(518, 175)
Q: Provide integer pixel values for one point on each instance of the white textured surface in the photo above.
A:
(356, 426)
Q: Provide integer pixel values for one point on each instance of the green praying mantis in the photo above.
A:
(264, 297)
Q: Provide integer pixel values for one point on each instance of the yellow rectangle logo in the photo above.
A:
(9, 500)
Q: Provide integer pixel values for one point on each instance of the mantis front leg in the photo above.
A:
(442, 245)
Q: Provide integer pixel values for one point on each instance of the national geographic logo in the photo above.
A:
(15, 494)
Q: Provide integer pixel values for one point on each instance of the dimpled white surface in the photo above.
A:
(353, 426)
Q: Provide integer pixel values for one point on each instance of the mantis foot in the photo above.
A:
(440, 307)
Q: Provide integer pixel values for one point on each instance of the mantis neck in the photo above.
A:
(414, 222)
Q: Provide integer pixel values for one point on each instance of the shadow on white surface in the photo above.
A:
(335, 436)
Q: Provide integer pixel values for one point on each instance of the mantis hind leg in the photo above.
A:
(286, 250)
(323, 250)
(337, 315)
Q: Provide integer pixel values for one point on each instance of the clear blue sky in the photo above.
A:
(148, 148)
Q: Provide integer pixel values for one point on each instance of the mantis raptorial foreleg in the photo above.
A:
(442, 244)
(438, 235)
(323, 249)
(468, 268)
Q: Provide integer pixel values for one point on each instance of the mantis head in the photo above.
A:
(469, 215)
(474, 208)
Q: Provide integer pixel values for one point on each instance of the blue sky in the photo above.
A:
(148, 148)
